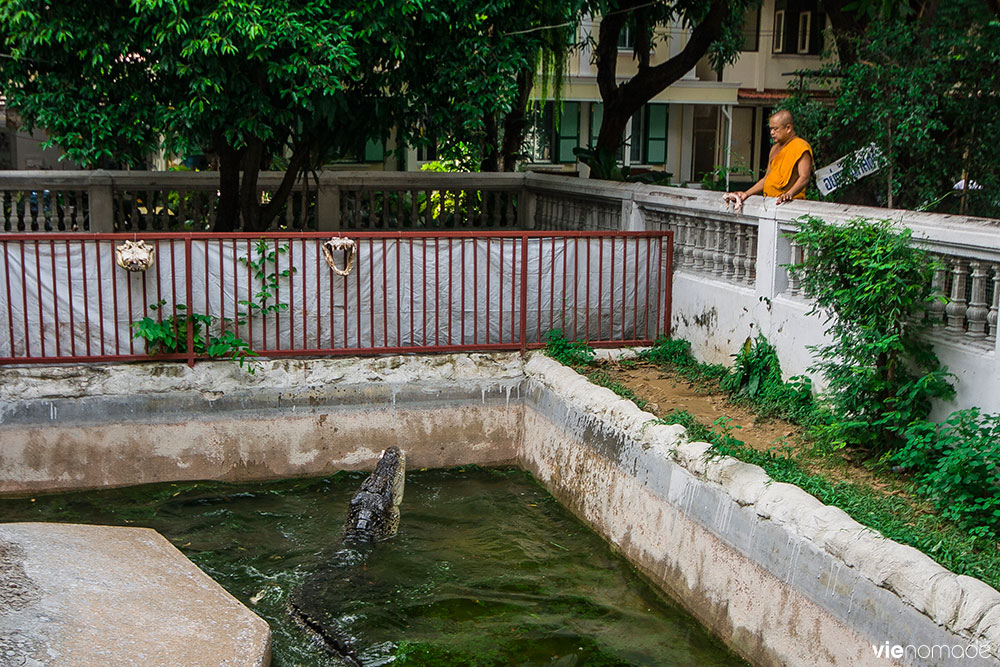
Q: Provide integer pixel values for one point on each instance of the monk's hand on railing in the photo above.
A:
(736, 199)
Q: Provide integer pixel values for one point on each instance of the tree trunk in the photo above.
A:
(490, 157)
(515, 122)
(847, 28)
(621, 101)
(227, 215)
(299, 159)
(249, 197)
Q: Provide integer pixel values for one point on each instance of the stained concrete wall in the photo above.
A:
(780, 577)
(88, 427)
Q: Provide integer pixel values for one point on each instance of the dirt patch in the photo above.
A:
(665, 391)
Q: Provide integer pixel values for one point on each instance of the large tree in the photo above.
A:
(715, 29)
(921, 86)
(246, 80)
(470, 69)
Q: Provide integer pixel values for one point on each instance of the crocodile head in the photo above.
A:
(374, 511)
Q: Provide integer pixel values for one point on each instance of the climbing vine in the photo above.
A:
(167, 334)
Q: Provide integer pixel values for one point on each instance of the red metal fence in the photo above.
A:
(210, 294)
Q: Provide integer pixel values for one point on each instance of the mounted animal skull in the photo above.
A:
(350, 249)
(134, 256)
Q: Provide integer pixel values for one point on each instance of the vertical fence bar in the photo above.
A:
(451, 288)
(667, 281)
(189, 289)
(524, 291)
(475, 292)
(437, 287)
(69, 300)
(357, 282)
(500, 326)
(371, 288)
(462, 306)
(513, 283)
(86, 295)
(10, 305)
(55, 300)
(489, 252)
(24, 298)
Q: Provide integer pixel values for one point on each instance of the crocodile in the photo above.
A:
(372, 516)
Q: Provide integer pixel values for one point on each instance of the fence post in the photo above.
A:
(327, 203)
(189, 289)
(524, 294)
(101, 196)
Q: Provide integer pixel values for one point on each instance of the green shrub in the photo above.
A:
(957, 466)
(755, 378)
(568, 352)
(873, 286)
(669, 351)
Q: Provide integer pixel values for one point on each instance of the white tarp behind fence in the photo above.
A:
(69, 299)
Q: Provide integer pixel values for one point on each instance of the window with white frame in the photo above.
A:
(779, 31)
(805, 26)
(798, 27)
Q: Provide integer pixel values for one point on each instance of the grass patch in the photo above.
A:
(900, 519)
(754, 383)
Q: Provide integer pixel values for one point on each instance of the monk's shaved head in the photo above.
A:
(783, 117)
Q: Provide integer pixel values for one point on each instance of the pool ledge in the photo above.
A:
(779, 576)
(100, 595)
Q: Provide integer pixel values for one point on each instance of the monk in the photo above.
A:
(790, 165)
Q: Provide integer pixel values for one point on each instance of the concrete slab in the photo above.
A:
(78, 595)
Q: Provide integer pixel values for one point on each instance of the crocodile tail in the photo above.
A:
(335, 645)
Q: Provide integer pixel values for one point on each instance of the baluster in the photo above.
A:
(939, 281)
(977, 310)
(719, 255)
(739, 262)
(793, 278)
(955, 310)
(679, 225)
(697, 250)
(690, 243)
(711, 234)
(991, 317)
(751, 258)
(729, 259)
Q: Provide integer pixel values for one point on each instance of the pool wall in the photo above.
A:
(78, 428)
(777, 575)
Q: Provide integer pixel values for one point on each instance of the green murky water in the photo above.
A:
(487, 569)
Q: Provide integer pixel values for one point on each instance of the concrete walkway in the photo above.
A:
(74, 595)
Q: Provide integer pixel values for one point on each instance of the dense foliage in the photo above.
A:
(918, 80)
(873, 286)
(957, 465)
(284, 85)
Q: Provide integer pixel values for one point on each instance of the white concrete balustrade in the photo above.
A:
(731, 277)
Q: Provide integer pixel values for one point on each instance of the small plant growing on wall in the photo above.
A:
(569, 352)
(168, 334)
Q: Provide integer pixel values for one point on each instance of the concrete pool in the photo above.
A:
(775, 574)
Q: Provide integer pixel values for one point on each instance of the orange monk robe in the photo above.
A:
(782, 172)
